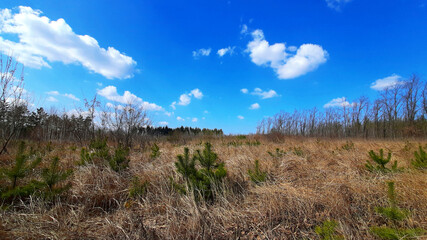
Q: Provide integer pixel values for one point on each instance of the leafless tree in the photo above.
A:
(12, 103)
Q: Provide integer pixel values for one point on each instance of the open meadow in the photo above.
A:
(301, 183)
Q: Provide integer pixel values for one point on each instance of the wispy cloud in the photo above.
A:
(67, 95)
(42, 40)
(51, 99)
(223, 51)
(71, 96)
(337, 4)
(202, 52)
(240, 117)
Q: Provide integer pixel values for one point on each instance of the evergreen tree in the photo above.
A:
(380, 162)
(52, 178)
(21, 168)
(394, 215)
(420, 160)
(257, 176)
(327, 231)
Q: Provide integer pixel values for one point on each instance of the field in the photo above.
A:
(307, 182)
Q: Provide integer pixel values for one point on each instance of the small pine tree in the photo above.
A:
(395, 215)
(327, 231)
(420, 161)
(119, 161)
(137, 188)
(186, 166)
(51, 179)
(277, 154)
(20, 170)
(392, 212)
(257, 176)
(155, 151)
(381, 162)
(201, 181)
(21, 167)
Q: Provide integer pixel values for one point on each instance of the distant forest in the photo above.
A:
(399, 111)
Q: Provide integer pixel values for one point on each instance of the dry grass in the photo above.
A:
(326, 182)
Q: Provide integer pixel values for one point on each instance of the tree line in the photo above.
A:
(123, 124)
(398, 111)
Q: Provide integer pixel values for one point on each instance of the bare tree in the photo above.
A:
(12, 103)
(125, 122)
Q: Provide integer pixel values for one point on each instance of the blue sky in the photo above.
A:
(165, 54)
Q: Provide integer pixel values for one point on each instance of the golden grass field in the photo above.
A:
(324, 182)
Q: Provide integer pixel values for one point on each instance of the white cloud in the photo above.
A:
(51, 99)
(206, 111)
(194, 120)
(286, 64)
(338, 102)
(180, 119)
(185, 98)
(163, 123)
(337, 4)
(244, 90)
(42, 40)
(168, 114)
(71, 96)
(99, 84)
(196, 93)
(264, 94)
(53, 93)
(68, 95)
(388, 82)
(110, 93)
(202, 52)
(254, 106)
(223, 51)
(240, 117)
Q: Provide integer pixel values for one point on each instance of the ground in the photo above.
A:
(313, 180)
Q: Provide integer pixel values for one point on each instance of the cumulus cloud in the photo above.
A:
(244, 90)
(202, 52)
(42, 40)
(264, 94)
(223, 51)
(338, 102)
(337, 4)
(240, 117)
(387, 82)
(185, 98)
(110, 93)
(194, 120)
(254, 106)
(196, 93)
(286, 64)
(180, 119)
(163, 123)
